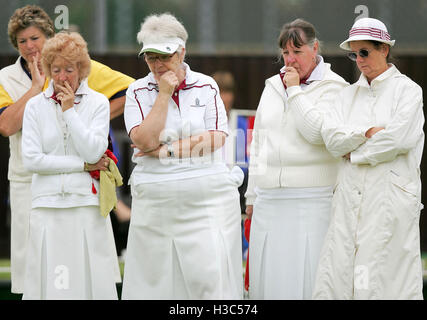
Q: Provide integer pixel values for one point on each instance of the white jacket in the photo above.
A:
(372, 248)
(287, 149)
(16, 83)
(56, 144)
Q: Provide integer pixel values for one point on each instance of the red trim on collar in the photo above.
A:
(175, 94)
(301, 81)
(53, 97)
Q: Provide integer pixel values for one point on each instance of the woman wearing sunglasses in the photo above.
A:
(372, 248)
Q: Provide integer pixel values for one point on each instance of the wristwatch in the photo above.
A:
(170, 153)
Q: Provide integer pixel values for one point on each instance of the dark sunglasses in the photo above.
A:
(363, 53)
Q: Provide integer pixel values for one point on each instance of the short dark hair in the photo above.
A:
(377, 44)
(299, 32)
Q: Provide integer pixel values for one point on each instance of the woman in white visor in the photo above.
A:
(185, 235)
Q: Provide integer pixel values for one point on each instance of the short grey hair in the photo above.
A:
(157, 28)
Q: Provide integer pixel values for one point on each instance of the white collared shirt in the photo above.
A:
(200, 109)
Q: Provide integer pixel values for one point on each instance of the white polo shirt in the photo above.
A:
(194, 108)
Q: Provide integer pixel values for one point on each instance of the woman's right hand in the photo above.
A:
(168, 82)
(249, 211)
(37, 75)
(102, 164)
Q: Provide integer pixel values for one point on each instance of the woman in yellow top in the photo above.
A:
(28, 29)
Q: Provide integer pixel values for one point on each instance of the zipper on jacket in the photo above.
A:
(63, 128)
(62, 185)
(65, 143)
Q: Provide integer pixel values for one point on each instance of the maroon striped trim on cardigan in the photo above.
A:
(139, 105)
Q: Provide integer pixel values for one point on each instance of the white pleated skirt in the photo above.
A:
(185, 240)
(287, 232)
(70, 255)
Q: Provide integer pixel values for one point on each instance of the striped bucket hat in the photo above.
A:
(368, 29)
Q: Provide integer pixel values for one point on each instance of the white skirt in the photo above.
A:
(185, 240)
(20, 203)
(69, 255)
(287, 232)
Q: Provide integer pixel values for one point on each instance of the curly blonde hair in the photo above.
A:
(70, 46)
(28, 16)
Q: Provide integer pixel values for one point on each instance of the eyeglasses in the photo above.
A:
(162, 58)
(363, 53)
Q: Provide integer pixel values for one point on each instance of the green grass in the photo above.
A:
(4, 275)
(5, 263)
(5, 278)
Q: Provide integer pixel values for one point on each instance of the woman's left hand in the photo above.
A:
(66, 96)
(291, 77)
(102, 164)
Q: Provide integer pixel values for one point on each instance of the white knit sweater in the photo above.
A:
(56, 144)
(287, 148)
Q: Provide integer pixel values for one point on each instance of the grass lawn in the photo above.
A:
(5, 277)
(4, 269)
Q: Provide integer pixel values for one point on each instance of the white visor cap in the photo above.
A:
(168, 46)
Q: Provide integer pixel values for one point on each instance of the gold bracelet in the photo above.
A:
(86, 167)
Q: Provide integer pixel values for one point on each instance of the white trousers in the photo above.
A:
(287, 232)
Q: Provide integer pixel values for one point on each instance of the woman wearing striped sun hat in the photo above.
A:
(372, 248)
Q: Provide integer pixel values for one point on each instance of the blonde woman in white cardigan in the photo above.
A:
(291, 174)
(65, 135)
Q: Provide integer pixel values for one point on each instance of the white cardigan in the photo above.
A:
(15, 82)
(287, 149)
(56, 144)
